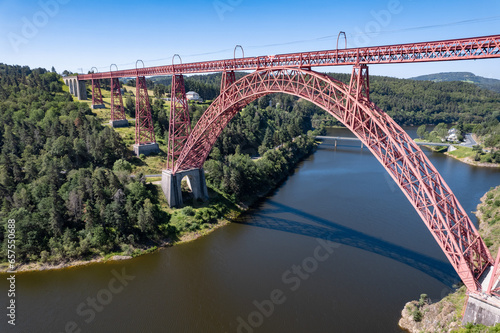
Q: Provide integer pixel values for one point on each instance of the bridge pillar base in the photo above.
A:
(119, 123)
(171, 185)
(481, 310)
(146, 149)
(98, 106)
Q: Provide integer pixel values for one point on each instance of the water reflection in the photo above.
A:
(299, 222)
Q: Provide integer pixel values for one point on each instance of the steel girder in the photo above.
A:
(144, 129)
(444, 50)
(96, 93)
(117, 110)
(394, 149)
(179, 124)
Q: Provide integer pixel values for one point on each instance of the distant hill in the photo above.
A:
(491, 84)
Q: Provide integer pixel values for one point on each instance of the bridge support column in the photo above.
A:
(97, 101)
(76, 88)
(118, 118)
(171, 185)
(145, 142)
(179, 123)
(81, 90)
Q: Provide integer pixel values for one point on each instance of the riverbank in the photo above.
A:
(469, 160)
(184, 238)
(464, 155)
(446, 314)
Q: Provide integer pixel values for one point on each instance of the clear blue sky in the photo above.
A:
(75, 35)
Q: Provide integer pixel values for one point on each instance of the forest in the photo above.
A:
(64, 178)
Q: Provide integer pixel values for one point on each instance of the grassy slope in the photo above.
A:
(150, 164)
(466, 154)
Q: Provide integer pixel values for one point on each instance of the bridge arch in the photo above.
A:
(389, 143)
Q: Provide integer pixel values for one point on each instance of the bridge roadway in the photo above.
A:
(444, 50)
(345, 138)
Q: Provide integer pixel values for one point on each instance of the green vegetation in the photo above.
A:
(458, 299)
(242, 178)
(471, 328)
(415, 310)
(438, 134)
(482, 82)
(463, 152)
(489, 131)
(489, 219)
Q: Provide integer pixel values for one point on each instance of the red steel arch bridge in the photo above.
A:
(350, 103)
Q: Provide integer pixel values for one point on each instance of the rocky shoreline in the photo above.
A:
(442, 316)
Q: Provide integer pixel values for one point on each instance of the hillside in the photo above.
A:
(482, 82)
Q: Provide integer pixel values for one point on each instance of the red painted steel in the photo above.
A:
(454, 49)
(494, 276)
(117, 110)
(180, 123)
(96, 93)
(394, 149)
(144, 130)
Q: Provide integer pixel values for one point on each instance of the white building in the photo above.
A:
(452, 135)
(193, 96)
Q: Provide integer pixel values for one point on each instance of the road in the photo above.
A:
(469, 141)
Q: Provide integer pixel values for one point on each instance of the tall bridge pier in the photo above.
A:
(171, 185)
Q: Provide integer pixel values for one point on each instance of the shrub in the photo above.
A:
(188, 211)
(424, 299)
(417, 315)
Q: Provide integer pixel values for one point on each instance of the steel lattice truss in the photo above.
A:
(117, 110)
(454, 49)
(144, 130)
(180, 124)
(395, 150)
(96, 93)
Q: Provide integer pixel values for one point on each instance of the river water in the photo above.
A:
(336, 248)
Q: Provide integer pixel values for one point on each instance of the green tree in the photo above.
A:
(421, 131)
(146, 218)
(130, 105)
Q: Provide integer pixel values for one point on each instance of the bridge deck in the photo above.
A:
(444, 50)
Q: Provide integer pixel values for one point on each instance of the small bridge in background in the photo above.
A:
(346, 138)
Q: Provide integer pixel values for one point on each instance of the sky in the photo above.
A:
(78, 35)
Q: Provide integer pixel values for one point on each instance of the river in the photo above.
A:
(336, 248)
